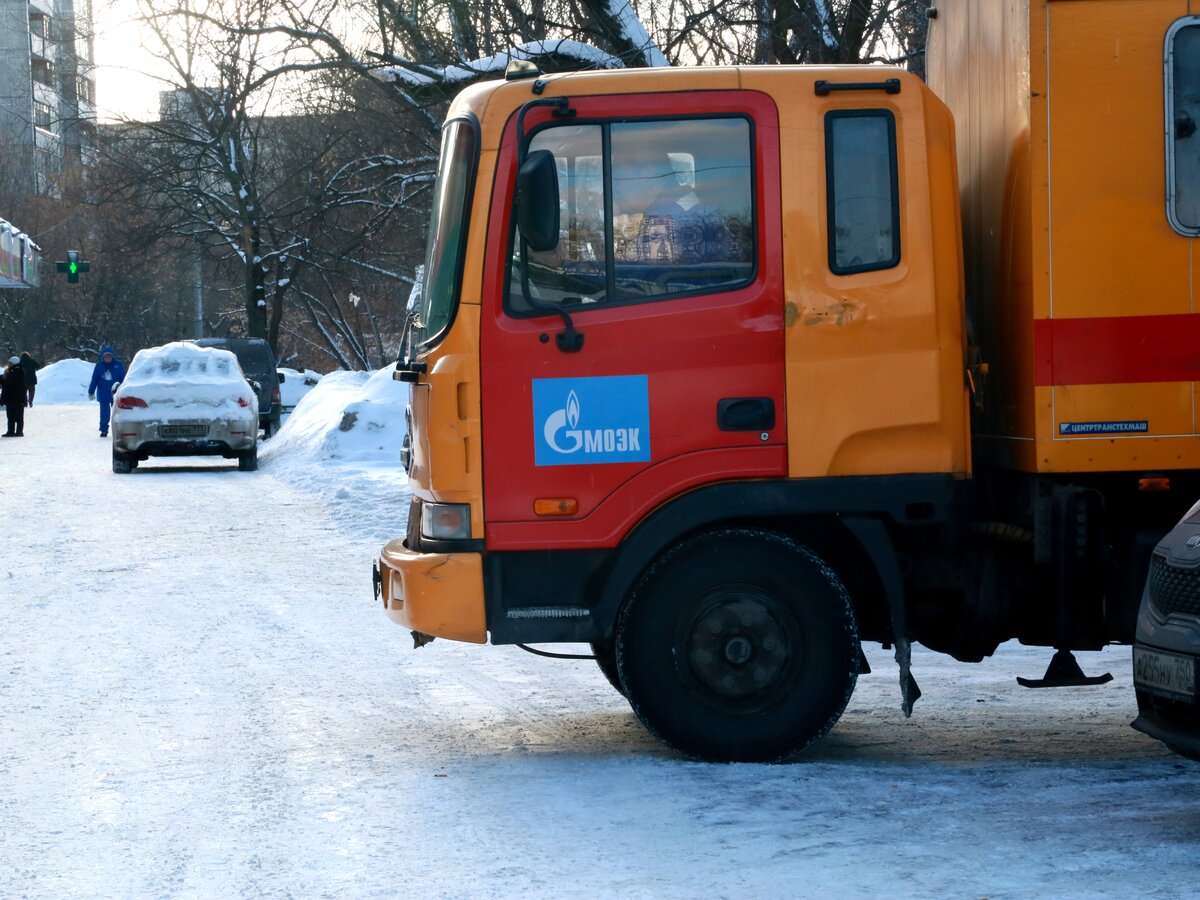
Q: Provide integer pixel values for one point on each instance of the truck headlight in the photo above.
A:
(446, 521)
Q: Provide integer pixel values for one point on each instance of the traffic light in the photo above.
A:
(73, 266)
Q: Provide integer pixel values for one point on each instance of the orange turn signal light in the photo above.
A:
(556, 506)
(1154, 484)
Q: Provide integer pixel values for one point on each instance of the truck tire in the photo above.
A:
(738, 645)
(606, 658)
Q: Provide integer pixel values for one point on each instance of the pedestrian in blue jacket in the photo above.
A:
(109, 372)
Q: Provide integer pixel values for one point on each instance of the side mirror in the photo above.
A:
(280, 377)
(114, 388)
(254, 384)
(537, 200)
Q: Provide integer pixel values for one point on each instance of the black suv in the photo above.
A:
(258, 363)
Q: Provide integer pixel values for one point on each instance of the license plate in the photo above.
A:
(1168, 674)
(175, 431)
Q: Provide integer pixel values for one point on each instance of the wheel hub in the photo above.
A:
(736, 645)
(738, 650)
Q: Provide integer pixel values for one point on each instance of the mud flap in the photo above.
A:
(874, 539)
(910, 693)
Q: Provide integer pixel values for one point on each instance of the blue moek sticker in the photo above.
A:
(1136, 427)
(590, 421)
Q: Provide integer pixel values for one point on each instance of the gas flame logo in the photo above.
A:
(564, 421)
(572, 410)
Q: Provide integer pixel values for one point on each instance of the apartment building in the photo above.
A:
(47, 95)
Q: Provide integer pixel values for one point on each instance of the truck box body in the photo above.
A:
(1082, 293)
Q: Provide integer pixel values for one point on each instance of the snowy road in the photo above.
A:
(199, 698)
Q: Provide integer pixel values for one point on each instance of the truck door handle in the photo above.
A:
(746, 414)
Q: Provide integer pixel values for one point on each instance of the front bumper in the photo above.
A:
(438, 594)
(1174, 722)
(1168, 716)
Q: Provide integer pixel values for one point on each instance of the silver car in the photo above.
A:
(184, 400)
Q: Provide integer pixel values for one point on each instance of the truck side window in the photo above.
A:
(1183, 124)
(648, 210)
(682, 207)
(862, 191)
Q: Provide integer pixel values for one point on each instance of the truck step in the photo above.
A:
(1064, 671)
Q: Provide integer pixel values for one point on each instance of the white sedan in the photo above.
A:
(183, 400)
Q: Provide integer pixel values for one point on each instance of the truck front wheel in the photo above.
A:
(739, 644)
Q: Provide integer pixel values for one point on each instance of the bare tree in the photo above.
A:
(209, 167)
(349, 298)
(789, 31)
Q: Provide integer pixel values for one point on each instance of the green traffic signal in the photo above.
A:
(73, 266)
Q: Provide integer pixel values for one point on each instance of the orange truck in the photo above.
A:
(724, 371)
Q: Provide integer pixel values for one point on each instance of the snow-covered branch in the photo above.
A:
(584, 55)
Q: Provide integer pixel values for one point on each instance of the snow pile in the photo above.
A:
(347, 417)
(65, 381)
(343, 441)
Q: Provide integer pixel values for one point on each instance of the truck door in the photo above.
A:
(667, 267)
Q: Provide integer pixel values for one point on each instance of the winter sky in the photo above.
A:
(124, 87)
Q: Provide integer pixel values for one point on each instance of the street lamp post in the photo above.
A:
(199, 282)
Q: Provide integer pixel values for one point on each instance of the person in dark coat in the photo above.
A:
(108, 373)
(13, 396)
(30, 367)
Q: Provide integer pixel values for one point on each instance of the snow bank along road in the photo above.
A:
(199, 698)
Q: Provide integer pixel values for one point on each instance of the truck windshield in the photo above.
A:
(447, 231)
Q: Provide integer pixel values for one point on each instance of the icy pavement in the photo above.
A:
(199, 698)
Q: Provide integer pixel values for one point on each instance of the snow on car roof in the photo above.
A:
(182, 373)
(181, 362)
